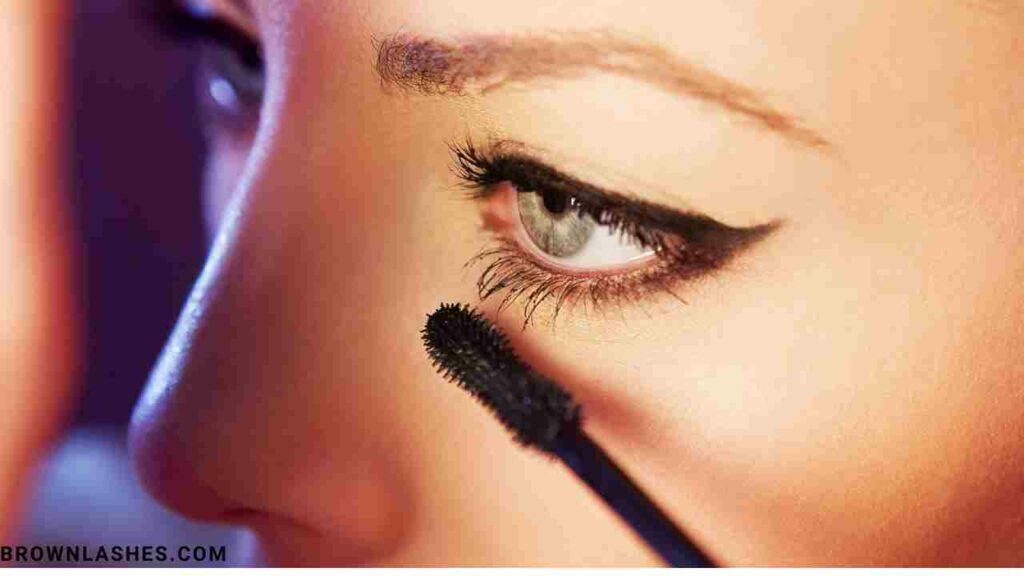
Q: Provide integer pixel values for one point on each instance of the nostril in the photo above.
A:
(168, 471)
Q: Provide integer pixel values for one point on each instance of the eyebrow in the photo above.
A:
(482, 64)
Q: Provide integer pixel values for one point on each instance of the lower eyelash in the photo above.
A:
(517, 277)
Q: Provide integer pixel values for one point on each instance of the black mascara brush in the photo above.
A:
(470, 351)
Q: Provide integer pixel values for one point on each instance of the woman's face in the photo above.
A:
(826, 372)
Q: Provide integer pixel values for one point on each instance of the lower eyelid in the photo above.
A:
(623, 268)
(543, 261)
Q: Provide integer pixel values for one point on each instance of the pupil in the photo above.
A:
(555, 202)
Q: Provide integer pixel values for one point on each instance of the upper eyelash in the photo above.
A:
(482, 171)
(688, 245)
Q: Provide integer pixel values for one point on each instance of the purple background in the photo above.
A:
(136, 153)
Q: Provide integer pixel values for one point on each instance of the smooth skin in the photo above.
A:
(848, 392)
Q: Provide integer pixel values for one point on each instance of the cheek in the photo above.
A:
(848, 394)
(880, 388)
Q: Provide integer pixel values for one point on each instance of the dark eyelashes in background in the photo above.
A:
(687, 245)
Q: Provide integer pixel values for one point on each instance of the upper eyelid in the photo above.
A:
(652, 223)
(651, 214)
(509, 153)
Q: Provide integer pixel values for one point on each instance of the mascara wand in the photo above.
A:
(473, 353)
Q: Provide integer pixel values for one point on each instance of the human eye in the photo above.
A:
(561, 239)
(231, 74)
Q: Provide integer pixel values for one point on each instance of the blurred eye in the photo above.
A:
(232, 76)
(232, 79)
(562, 231)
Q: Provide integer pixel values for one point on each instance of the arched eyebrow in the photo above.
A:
(481, 64)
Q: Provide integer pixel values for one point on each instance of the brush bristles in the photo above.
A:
(470, 351)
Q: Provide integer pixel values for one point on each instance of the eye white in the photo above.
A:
(604, 249)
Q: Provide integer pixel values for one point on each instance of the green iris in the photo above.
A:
(553, 223)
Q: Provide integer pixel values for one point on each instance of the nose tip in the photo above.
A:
(166, 438)
(166, 467)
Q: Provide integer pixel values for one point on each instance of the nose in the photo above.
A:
(294, 395)
(188, 429)
(169, 439)
(263, 403)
